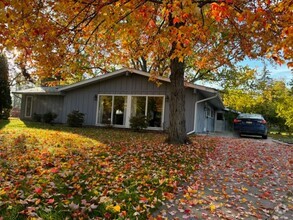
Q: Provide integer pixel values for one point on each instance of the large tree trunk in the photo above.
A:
(177, 130)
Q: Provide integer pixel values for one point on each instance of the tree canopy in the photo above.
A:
(61, 37)
(66, 39)
(261, 94)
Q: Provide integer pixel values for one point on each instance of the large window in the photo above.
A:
(119, 113)
(112, 110)
(118, 109)
(150, 106)
(28, 106)
(155, 110)
(138, 105)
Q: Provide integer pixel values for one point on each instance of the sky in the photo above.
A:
(277, 72)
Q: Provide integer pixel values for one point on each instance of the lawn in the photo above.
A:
(57, 172)
(283, 136)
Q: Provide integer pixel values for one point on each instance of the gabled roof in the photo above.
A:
(130, 71)
(41, 91)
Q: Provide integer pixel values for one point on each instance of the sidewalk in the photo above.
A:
(243, 179)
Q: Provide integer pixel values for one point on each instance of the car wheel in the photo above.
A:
(265, 136)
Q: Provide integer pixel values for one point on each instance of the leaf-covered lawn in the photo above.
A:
(56, 172)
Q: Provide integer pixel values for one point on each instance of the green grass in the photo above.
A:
(57, 172)
(283, 136)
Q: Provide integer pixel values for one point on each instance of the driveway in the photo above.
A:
(244, 178)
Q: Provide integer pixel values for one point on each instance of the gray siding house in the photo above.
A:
(113, 98)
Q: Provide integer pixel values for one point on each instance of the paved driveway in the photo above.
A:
(244, 178)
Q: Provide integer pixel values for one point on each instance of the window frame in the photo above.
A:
(26, 115)
(128, 109)
(210, 112)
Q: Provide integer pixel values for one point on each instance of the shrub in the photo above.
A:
(138, 123)
(5, 113)
(75, 119)
(37, 117)
(49, 117)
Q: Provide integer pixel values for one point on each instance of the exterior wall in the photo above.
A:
(200, 118)
(190, 99)
(43, 104)
(204, 123)
(210, 123)
(85, 99)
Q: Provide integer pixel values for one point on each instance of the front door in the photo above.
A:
(219, 121)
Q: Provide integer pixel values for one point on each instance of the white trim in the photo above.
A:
(112, 107)
(31, 107)
(128, 110)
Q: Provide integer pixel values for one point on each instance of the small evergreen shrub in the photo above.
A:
(75, 119)
(49, 117)
(37, 117)
(5, 113)
(138, 123)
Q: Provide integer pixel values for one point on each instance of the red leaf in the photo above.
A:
(54, 170)
(51, 201)
(38, 190)
(176, 20)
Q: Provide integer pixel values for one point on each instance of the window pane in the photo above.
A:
(105, 109)
(119, 113)
(28, 110)
(138, 105)
(155, 107)
(220, 116)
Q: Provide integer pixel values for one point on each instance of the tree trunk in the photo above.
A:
(177, 130)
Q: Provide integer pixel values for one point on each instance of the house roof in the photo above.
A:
(40, 91)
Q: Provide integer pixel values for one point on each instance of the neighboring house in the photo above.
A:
(112, 98)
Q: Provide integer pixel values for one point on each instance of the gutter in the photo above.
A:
(195, 112)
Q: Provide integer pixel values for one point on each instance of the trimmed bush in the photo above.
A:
(37, 117)
(49, 117)
(75, 119)
(138, 123)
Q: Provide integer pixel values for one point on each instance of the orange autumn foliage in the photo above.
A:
(65, 39)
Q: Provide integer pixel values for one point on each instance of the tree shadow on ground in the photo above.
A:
(101, 134)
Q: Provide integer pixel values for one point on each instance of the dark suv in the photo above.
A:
(252, 124)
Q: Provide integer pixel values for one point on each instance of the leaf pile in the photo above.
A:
(49, 173)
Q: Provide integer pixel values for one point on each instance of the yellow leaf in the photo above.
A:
(37, 201)
(244, 189)
(66, 202)
(117, 208)
(212, 207)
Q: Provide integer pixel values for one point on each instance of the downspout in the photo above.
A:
(195, 112)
